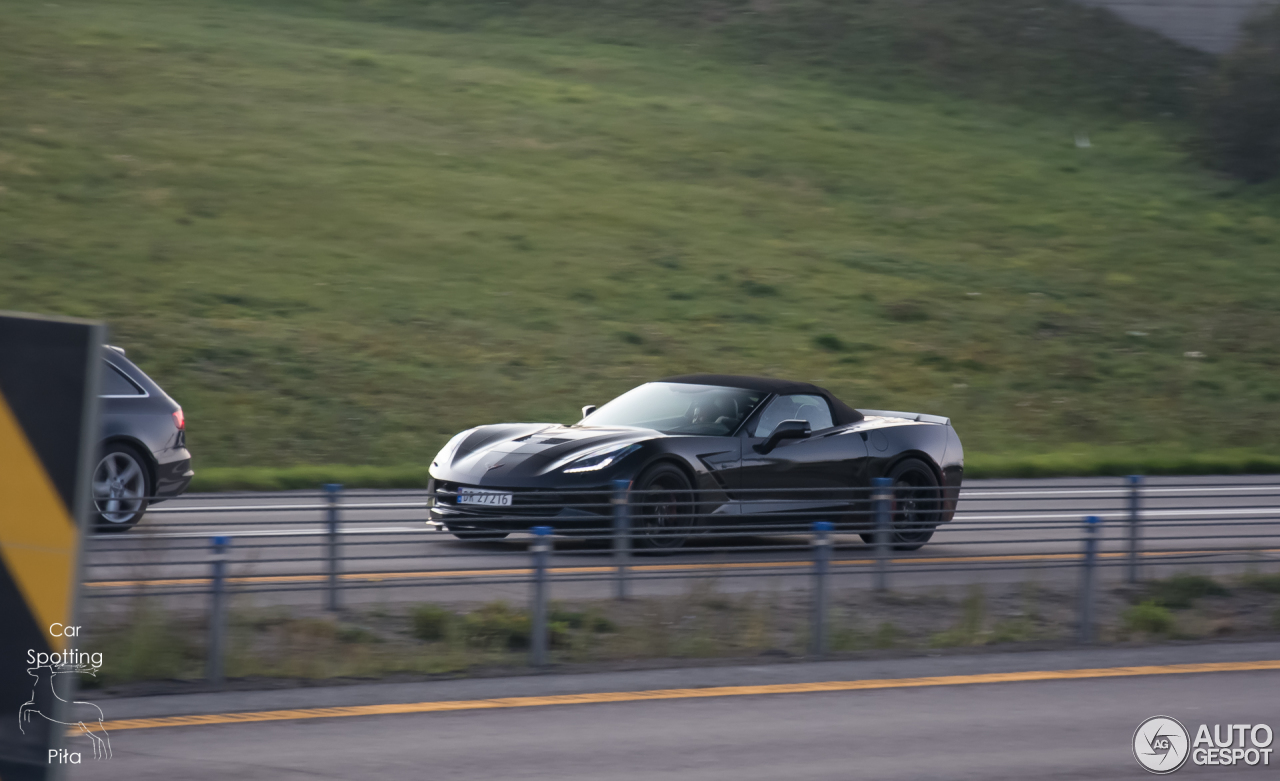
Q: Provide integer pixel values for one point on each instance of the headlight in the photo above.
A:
(445, 456)
(595, 460)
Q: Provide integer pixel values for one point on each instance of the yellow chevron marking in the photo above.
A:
(37, 534)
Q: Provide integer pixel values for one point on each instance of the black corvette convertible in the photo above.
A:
(702, 450)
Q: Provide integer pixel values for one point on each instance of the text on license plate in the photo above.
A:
(494, 498)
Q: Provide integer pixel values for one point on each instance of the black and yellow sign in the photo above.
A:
(48, 437)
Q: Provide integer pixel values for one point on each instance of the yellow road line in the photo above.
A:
(602, 569)
(681, 694)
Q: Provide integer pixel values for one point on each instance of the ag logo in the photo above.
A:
(1160, 744)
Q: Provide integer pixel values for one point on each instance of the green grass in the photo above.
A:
(312, 477)
(1149, 616)
(1089, 461)
(969, 629)
(151, 648)
(338, 233)
(150, 643)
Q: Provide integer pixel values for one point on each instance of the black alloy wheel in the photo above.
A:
(663, 511)
(917, 504)
(121, 488)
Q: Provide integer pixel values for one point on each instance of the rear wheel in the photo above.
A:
(917, 503)
(663, 513)
(121, 488)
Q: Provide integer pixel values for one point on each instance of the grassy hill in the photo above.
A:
(338, 232)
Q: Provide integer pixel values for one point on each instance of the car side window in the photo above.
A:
(799, 407)
(114, 383)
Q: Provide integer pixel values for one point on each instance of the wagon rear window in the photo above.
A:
(114, 383)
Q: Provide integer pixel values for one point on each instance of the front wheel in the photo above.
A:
(917, 505)
(663, 510)
(121, 487)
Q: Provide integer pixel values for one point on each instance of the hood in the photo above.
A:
(512, 454)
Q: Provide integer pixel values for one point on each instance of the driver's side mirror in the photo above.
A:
(787, 429)
(587, 410)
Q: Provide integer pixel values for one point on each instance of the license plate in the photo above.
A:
(491, 498)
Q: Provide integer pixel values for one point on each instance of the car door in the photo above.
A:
(805, 477)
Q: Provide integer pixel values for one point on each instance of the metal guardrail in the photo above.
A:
(629, 537)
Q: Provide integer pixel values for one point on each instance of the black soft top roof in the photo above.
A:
(841, 413)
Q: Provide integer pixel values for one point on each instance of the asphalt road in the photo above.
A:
(1002, 530)
(1043, 729)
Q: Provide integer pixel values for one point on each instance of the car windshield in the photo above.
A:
(677, 408)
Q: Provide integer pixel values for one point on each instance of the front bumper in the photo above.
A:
(579, 509)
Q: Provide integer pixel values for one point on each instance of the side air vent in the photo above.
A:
(919, 417)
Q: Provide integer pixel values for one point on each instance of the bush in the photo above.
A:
(1269, 583)
(1180, 591)
(430, 622)
(1240, 118)
(1149, 616)
(497, 627)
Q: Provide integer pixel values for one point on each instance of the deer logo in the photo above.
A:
(44, 682)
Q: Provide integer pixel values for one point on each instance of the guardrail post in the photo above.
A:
(621, 537)
(1092, 524)
(216, 648)
(882, 497)
(821, 570)
(538, 610)
(1135, 488)
(334, 493)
